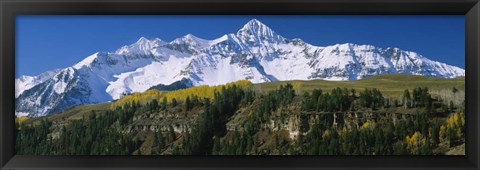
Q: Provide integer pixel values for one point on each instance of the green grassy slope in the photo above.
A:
(390, 84)
(74, 113)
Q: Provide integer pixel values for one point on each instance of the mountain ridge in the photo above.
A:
(255, 53)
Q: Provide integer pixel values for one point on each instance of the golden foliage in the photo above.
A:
(415, 142)
(199, 91)
(441, 134)
(368, 124)
(455, 120)
(20, 119)
(416, 139)
(202, 91)
(143, 98)
(297, 85)
(326, 134)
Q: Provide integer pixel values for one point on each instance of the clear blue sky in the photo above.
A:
(48, 42)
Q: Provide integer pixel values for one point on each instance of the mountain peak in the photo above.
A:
(188, 38)
(254, 26)
(87, 61)
(143, 41)
(141, 46)
(254, 22)
(256, 31)
(191, 40)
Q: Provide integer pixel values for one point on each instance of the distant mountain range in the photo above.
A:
(254, 53)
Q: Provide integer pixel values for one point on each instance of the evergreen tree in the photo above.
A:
(188, 104)
(406, 98)
(163, 106)
(174, 102)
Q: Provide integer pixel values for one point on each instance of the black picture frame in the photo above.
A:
(11, 8)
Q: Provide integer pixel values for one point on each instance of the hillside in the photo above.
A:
(73, 113)
(390, 84)
(264, 119)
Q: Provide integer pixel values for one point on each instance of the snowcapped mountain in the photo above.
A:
(255, 53)
(27, 82)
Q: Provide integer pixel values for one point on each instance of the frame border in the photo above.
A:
(10, 8)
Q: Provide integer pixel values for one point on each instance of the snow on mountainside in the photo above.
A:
(26, 82)
(255, 53)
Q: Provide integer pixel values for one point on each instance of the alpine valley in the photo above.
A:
(255, 53)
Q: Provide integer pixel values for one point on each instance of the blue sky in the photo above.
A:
(48, 42)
